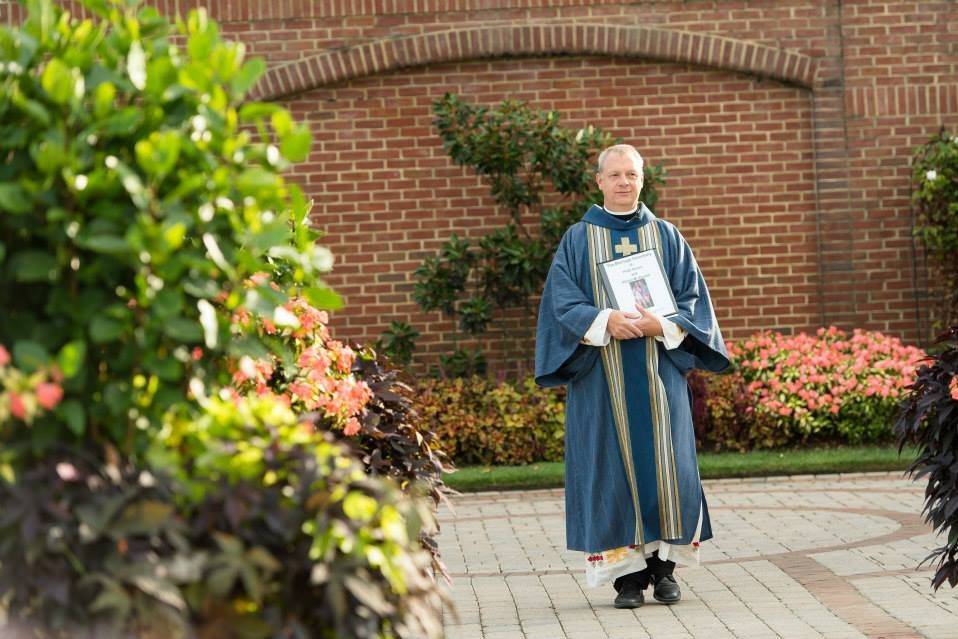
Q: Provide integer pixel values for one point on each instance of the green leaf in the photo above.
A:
(110, 244)
(57, 80)
(275, 234)
(105, 329)
(71, 357)
(34, 266)
(282, 123)
(256, 110)
(295, 146)
(183, 329)
(30, 355)
(324, 298)
(248, 345)
(103, 99)
(248, 74)
(158, 154)
(255, 180)
(72, 413)
(13, 198)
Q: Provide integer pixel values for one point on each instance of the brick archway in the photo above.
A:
(385, 55)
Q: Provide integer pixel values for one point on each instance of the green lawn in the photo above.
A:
(851, 459)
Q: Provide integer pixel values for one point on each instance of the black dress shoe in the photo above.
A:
(666, 590)
(630, 596)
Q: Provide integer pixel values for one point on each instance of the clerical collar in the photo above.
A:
(627, 216)
(599, 216)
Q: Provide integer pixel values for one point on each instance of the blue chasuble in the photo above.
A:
(631, 469)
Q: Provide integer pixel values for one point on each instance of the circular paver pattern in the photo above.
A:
(826, 556)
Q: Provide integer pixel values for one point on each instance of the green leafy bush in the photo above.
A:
(935, 179)
(929, 420)
(795, 389)
(141, 204)
(136, 199)
(479, 421)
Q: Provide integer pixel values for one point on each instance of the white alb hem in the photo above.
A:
(618, 562)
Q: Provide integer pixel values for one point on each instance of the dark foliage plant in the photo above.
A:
(299, 542)
(929, 420)
(393, 443)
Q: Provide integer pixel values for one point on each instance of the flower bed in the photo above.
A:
(832, 386)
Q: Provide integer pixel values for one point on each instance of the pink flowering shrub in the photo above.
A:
(26, 395)
(306, 369)
(831, 386)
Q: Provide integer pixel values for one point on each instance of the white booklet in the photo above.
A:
(639, 278)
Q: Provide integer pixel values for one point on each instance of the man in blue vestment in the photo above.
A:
(634, 500)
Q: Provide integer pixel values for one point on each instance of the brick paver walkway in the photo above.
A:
(828, 556)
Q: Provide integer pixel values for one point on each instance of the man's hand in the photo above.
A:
(649, 324)
(632, 324)
(624, 324)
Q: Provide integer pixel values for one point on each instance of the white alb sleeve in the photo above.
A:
(673, 334)
(598, 333)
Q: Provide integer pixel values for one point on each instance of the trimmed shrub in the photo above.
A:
(479, 421)
(929, 420)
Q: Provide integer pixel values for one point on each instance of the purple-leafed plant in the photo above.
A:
(929, 420)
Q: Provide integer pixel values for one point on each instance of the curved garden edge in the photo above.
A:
(759, 463)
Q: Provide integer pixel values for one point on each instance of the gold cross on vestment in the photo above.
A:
(625, 247)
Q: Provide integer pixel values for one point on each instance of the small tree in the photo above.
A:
(537, 170)
(935, 175)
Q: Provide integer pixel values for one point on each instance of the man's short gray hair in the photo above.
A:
(620, 149)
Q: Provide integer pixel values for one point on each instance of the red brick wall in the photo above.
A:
(786, 128)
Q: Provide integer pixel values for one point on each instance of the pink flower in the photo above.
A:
(953, 387)
(17, 408)
(49, 395)
(4, 356)
(352, 427)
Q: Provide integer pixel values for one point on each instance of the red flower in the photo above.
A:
(17, 408)
(49, 395)
(4, 356)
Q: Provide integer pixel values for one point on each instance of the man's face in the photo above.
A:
(620, 182)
